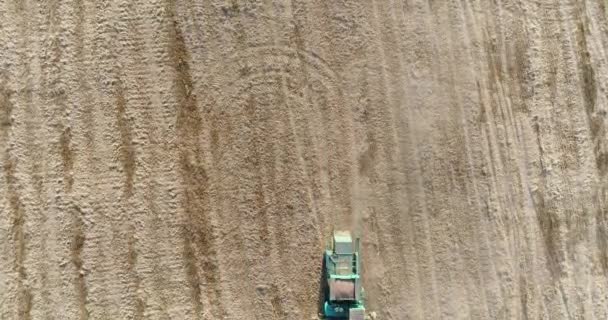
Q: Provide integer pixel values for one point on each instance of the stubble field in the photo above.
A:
(167, 159)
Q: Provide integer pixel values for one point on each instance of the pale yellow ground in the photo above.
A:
(188, 159)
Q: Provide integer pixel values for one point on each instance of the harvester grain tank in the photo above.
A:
(342, 269)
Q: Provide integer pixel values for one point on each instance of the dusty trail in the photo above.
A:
(187, 159)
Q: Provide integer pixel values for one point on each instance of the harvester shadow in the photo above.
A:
(322, 288)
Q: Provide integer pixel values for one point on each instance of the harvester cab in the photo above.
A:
(342, 288)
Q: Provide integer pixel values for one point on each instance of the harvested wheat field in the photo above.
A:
(189, 159)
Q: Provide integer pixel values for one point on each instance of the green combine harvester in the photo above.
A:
(343, 293)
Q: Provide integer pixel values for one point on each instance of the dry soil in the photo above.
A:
(167, 159)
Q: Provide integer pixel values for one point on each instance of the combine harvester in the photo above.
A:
(343, 293)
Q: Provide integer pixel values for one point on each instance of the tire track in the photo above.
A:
(548, 207)
(388, 213)
(15, 209)
(455, 142)
(319, 179)
(65, 142)
(57, 90)
(545, 207)
(162, 251)
(597, 129)
(371, 189)
(5, 128)
(89, 240)
(498, 67)
(127, 150)
(286, 101)
(17, 215)
(476, 135)
(191, 128)
(498, 133)
(486, 85)
(132, 268)
(304, 117)
(17, 229)
(326, 132)
(337, 115)
(137, 68)
(578, 194)
(470, 188)
(258, 80)
(198, 231)
(67, 231)
(121, 113)
(142, 193)
(14, 164)
(6, 111)
(81, 111)
(252, 239)
(104, 249)
(77, 243)
(389, 72)
(305, 38)
(447, 130)
(254, 154)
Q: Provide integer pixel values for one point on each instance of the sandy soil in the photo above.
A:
(188, 159)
